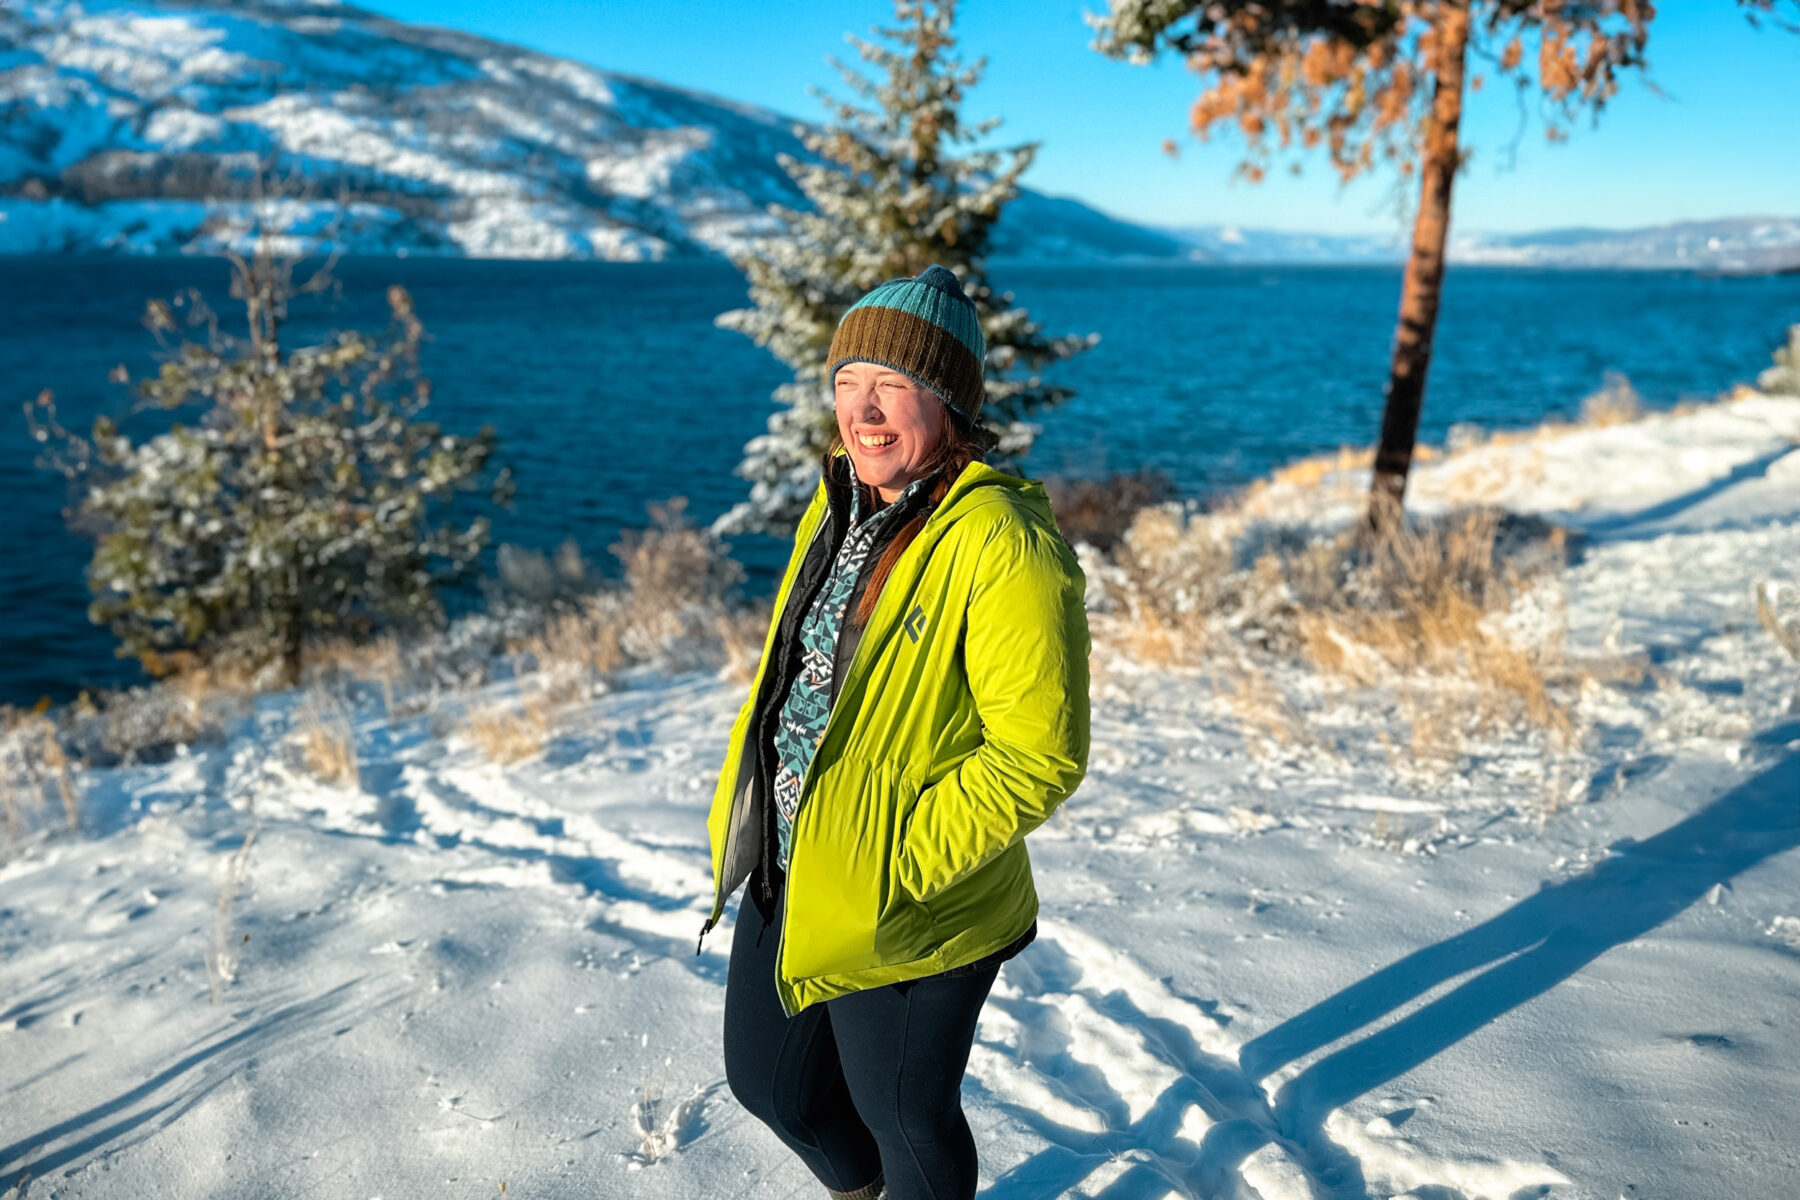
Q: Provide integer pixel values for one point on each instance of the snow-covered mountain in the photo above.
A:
(135, 125)
(1729, 244)
(1236, 244)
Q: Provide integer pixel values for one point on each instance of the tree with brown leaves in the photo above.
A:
(1382, 82)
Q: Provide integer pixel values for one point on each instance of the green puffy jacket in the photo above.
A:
(961, 723)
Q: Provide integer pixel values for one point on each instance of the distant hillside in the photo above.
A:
(129, 126)
(1730, 244)
(1235, 244)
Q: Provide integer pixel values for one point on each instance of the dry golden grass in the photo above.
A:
(228, 673)
(56, 763)
(508, 733)
(669, 606)
(1425, 609)
(327, 743)
(1169, 568)
(1778, 610)
(1149, 638)
(674, 577)
(575, 650)
(1419, 614)
(374, 660)
(1616, 403)
(14, 819)
(741, 636)
(34, 767)
(223, 958)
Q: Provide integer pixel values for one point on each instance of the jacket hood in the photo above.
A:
(978, 485)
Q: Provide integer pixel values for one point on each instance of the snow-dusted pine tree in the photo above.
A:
(307, 498)
(889, 199)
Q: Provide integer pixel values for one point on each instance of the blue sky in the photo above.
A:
(1722, 139)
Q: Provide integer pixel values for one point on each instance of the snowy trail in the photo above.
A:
(1291, 977)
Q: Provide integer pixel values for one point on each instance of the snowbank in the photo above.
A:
(1259, 976)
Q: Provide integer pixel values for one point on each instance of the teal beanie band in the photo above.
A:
(924, 326)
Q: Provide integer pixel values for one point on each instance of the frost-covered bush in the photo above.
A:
(1783, 378)
(307, 498)
(888, 200)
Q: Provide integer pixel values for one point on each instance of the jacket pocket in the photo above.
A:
(905, 929)
(846, 909)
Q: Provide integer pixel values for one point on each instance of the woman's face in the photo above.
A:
(889, 423)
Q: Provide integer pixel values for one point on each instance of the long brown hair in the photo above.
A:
(960, 445)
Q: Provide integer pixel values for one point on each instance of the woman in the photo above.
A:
(921, 705)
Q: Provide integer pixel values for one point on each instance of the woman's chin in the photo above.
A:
(878, 470)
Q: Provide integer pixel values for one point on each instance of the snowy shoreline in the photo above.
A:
(1260, 975)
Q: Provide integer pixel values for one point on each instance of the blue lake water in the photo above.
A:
(610, 387)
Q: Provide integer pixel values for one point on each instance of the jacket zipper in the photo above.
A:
(737, 782)
(831, 714)
(805, 786)
(771, 845)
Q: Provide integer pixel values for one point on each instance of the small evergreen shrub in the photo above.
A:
(306, 498)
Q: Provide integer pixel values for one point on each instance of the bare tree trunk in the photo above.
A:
(1423, 285)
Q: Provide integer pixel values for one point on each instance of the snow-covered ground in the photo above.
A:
(1259, 975)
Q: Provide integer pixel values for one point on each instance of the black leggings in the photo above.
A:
(863, 1086)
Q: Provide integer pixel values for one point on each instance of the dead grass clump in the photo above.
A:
(506, 733)
(574, 651)
(1778, 609)
(233, 671)
(1616, 403)
(676, 577)
(671, 607)
(36, 774)
(223, 958)
(375, 660)
(1425, 603)
(742, 633)
(1428, 614)
(327, 742)
(1099, 511)
(1168, 568)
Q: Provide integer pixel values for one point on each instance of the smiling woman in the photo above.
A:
(889, 421)
(921, 705)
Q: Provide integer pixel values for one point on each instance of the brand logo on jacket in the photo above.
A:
(915, 622)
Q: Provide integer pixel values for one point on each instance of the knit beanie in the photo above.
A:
(924, 326)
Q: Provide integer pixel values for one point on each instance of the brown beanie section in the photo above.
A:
(924, 326)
